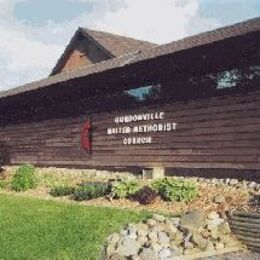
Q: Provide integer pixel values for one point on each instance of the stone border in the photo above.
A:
(191, 236)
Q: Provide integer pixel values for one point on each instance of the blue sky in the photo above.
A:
(37, 12)
(34, 33)
(230, 11)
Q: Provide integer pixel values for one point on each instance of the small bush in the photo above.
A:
(90, 191)
(3, 184)
(175, 189)
(24, 178)
(145, 196)
(60, 191)
(97, 183)
(125, 189)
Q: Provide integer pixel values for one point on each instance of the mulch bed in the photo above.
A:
(234, 199)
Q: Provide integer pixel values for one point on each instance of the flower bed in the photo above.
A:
(209, 194)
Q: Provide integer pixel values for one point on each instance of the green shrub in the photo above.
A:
(125, 189)
(89, 191)
(24, 178)
(3, 184)
(60, 191)
(107, 185)
(175, 189)
(145, 196)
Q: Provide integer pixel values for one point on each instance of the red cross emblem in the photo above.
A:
(86, 136)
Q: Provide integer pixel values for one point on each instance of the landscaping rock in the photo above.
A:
(159, 217)
(161, 226)
(124, 232)
(142, 226)
(153, 236)
(132, 232)
(175, 251)
(219, 246)
(179, 235)
(116, 257)
(193, 219)
(198, 240)
(164, 239)
(188, 245)
(175, 221)
(135, 257)
(147, 254)
(233, 182)
(110, 250)
(252, 185)
(164, 253)
(114, 238)
(225, 239)
(214, 233)
(214, 223)
(224, 228)
(191, 251)
(176, 243)
(219, 199)
(142, 240)
(151, 222)
(257, 188)
(205, 233)
(156, 247)
(213, 215)
(170, 226)
(142, 232)
(210, 247)
(128, 247)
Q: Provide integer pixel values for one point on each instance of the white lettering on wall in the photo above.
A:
(137, 140)
(149, 128)
(140, 127)
(139, 117)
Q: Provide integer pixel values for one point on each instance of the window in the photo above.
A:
(246, 76)
(146, 93)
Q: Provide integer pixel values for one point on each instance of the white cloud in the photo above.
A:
(28, 52)
(158, 21)
(23, 57)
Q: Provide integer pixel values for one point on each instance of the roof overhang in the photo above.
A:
(206, 52)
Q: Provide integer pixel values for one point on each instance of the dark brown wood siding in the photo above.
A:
(216, 132)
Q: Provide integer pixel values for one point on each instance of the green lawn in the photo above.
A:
(38, 229)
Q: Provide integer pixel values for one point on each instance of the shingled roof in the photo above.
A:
(118, 45)
(218, 35)
(110, 45)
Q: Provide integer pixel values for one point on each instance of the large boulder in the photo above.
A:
(193, 219)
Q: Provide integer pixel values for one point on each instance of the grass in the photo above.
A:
(39, 229)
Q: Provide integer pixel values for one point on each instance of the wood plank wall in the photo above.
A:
(216, 132)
